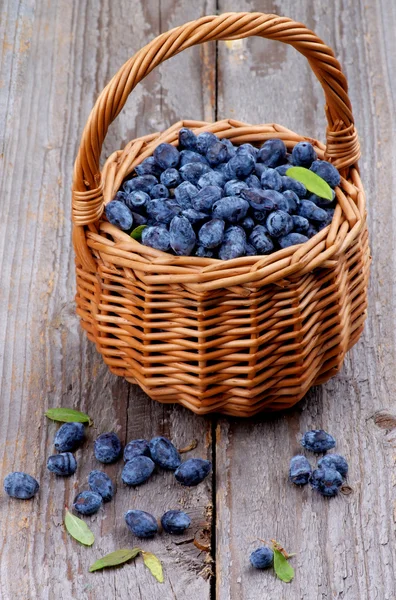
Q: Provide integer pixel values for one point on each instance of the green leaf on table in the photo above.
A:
(136, 234)
(283, 569)
(312, 181)
(68, 415)
(119, 557)
(78, 529)
(154, 565)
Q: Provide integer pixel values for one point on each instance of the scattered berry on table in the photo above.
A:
(300, 470)
(118, 214)
(175, 521)
(107, 448)
(166, 156)
(63, 464)
(101, 483)
(69, 437)
(141, 523)
(136, 448)
(334, 461)
(20, 485)
(326, 480)
(193, 471)
(262, 558)
(137, 470)
(87, 502)
(318, 440)
(303, 154)
(164, 453)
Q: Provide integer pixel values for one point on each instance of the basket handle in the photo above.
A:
(342, 146)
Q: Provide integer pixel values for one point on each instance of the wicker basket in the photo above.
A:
(239, 336)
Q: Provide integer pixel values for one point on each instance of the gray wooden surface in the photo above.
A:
(56, 57)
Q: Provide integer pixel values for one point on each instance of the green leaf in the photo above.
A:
(78, 529)
(68, 415)
(119, 557)
(312, 181)
(154, 565)
(136, 234)
(283, 569)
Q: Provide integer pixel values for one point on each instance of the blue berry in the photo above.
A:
(303, 155)
(69, 437)
(234, 187)
(300, 470)
(279, 223)
(260, 239)
(206, 197)
(182, 236)
(242, 164)
(63, 464)
(107, 448)
(187, 139)
(262, 558)
(334, 461)
(141, 523)
(121, 197)
(136, 448)
(203, 252)
(119, 215)
(159, 211)
(322, 202)
(234, 244)
(326, 171)
(282, 169)
(259, 216)
(193, 471)
(247, 148)
(137, 470)
(159, 191)
(175, 521)
(148, 167)
(250, 250)
(170, 178)
(166, 156)
(156, 237)
(291, 239)
(144, 183)
(259, 169)
(293, 200)
(216, 153)
(231, 208)
(20, 485)
(139, 219)
(327, 481)
(311, 231)
(184, 193)
(188, 156)
(263, 199)
(318, 440)
(211, 233)
(194, 216)
(299, 188)
(300, 224)
(87, 502)
(204, 140)
(247, 224)
(101, 483)
(271, 180)
(192, 172)
(211, 178)
(164, 453)
(253, 181)
(272, 153)
(136, 200)
(231, 150)
(310, 211)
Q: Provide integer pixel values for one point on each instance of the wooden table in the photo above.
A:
(57, 55)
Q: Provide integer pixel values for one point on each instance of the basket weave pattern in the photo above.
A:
(238, 336)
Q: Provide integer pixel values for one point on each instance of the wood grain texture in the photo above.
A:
(56, 57)
(346, 546)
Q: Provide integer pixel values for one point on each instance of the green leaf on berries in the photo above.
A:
(78, 529)
(68, 415)
(136, 234)
(283, 569)
(119, 557)
(312, 181)
(154, 565)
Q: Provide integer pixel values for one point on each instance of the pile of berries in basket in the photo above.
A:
(210, 198)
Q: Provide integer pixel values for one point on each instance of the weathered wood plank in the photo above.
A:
(345, 547)
(56, 58)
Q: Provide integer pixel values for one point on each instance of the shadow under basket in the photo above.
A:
(239, 336)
